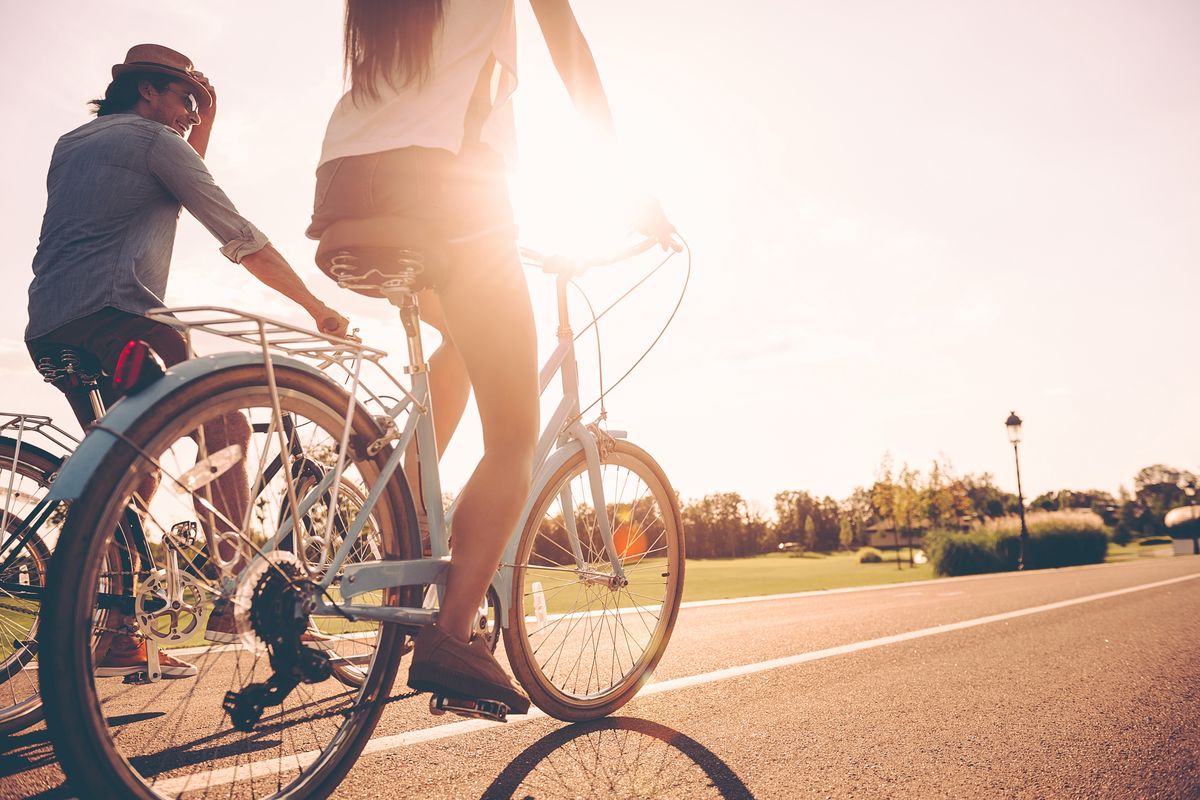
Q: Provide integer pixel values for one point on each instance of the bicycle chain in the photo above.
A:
(19, 610)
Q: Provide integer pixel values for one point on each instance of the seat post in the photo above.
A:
(410, 317)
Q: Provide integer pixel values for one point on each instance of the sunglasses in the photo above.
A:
(189, 100)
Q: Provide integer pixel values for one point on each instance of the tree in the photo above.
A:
(857, 512)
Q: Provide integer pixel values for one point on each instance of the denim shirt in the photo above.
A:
(115, 188)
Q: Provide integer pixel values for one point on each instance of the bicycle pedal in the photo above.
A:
(140, 678)
(465, 707)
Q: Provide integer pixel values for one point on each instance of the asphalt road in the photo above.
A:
(1060, 683)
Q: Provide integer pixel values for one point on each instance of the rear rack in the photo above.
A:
(341, 358)
(52, 438)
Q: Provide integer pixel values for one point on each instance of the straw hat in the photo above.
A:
(164, 60)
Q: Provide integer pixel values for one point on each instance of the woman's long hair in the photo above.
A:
(389, 41)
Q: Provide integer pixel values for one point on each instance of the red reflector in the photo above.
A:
(137, 367)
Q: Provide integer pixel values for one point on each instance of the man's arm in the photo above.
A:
(186, 177)
(198, 138)
(273, 270)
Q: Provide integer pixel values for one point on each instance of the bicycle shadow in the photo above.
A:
(30, 753)
(617, 757)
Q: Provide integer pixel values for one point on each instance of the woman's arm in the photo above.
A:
(573, 60)
(575, 64)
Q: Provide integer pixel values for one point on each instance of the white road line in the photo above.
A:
(401, 740)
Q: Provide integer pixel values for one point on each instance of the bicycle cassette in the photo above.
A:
(273, 600)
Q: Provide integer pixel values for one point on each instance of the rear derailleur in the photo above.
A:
(281, 601)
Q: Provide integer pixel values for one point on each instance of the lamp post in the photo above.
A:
(1013, 425)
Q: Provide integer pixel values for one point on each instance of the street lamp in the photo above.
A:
(1013, 424)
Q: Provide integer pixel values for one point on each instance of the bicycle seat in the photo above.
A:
(69, 367)
(379, 256)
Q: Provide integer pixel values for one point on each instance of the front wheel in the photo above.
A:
(580, 640)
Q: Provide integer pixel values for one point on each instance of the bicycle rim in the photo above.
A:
(24, 557)
(581, 643)
(171, 738)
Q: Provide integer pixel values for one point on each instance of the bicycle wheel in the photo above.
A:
(172, 738)
(579, 641)
(25, 475)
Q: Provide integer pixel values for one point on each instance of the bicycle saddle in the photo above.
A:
(69, 367)
(379, 256)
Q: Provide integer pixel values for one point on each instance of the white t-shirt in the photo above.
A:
(433, 114)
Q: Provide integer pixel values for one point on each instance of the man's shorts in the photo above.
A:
(103, 334)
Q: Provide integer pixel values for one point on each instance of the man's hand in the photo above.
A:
(331, 322)
(208, 114)
(198, 138)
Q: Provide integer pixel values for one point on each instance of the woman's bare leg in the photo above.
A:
(489, 315)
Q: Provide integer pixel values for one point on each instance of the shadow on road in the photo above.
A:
(26, 752)
(618, 757)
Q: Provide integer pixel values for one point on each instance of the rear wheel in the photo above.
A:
(25, 475)
(172, 738)
(580, 640)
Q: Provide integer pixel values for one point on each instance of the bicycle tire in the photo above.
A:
(171, 737)
(547, 638)
(23, 563)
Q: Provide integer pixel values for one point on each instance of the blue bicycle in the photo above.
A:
(323, 572)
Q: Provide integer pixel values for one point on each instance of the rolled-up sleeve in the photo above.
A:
(184, 174)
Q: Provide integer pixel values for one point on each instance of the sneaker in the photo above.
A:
(127, 655)
(222, 627)
(443, 665)
(314, 637)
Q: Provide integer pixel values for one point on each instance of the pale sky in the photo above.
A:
(907, 219)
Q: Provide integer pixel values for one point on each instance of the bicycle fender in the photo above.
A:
(102, 436)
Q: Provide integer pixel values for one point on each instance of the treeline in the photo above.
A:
(906, 501)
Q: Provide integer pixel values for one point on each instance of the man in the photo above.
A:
(115, 188)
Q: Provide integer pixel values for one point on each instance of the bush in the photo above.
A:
(1056, 539)
(868, 555)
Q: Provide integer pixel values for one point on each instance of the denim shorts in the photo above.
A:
(458, 199)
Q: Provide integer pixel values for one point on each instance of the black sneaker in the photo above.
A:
(443, 665)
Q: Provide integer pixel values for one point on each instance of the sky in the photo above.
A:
(906, 220)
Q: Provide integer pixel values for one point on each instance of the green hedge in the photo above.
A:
(869, 555)
(1056, 539)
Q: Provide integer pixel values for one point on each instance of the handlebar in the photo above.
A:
(571, 266)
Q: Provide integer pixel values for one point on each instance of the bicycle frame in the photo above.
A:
(561, 437)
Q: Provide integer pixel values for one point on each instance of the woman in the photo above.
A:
(414, 155)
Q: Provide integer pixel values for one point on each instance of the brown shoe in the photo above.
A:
(443, 665)
(127, 655)
(222, 627)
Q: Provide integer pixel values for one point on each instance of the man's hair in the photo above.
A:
(122, 94)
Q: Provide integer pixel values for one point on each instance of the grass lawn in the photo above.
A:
(779, 573)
